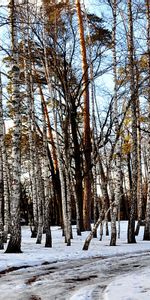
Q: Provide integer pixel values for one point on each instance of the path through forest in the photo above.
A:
(69, 280)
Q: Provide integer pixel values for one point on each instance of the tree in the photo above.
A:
(86, 123)
(147, 219)
(1, 168)
(133, 95)
(14, 245)
(116, 206)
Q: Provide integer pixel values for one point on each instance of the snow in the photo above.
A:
(130, 287)
(82, 294)
(133, 286)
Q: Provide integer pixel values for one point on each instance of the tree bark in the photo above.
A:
(1, 168)
(87, 195)
(46, 176)
(115, 208)
(147, 219)
(133, 95)
(14, 245)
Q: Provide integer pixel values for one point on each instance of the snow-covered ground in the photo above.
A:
(135, 286)
(131, 286)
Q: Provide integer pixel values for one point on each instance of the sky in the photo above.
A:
(105, 271)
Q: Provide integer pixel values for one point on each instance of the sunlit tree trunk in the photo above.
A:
(104, 189)
(1, 201)
(1, 169)
(6, 186)
(139, 184)
(133, 95)
(86, 124)
(115, 207)
(32, 166)
(65, 211)
(100, 221)
(46, 178)
(14, 245)
(147, 219)
(78, 224)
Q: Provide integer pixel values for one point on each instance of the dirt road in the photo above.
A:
(66, 279)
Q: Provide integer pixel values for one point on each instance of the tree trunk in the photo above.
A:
(6, 193)
(14, 245)
(53, 162)
(147, 219)
(31, 134)
(66, 226)
(139, 184)
(1, 168)
(87, 195)
(46, 176)
(104, 190)
(78, 172)
(40, 200)
(133, 95)
(115, 208)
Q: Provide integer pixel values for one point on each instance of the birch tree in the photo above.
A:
(6, 192)
(1, 169)
(115, 207)
(14, 245)
(46, 176)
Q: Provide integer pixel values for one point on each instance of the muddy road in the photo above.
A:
(67, 280)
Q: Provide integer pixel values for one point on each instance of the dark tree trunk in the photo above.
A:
(133, 92)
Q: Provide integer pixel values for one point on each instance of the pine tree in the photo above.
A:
(87, 194)
(133, 95)
(147, 219)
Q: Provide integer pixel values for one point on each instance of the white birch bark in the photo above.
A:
(68, 187)
(115, 207)
(6, 187)
(104, 189)
(139, 185)
(46, 176)
(40, 200)
(68, 204)
(14, 245)
(63, 188)
(1, 169)
(5, 172)
(76, 206)
(101, 222)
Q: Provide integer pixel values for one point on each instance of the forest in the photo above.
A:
(74, 119)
